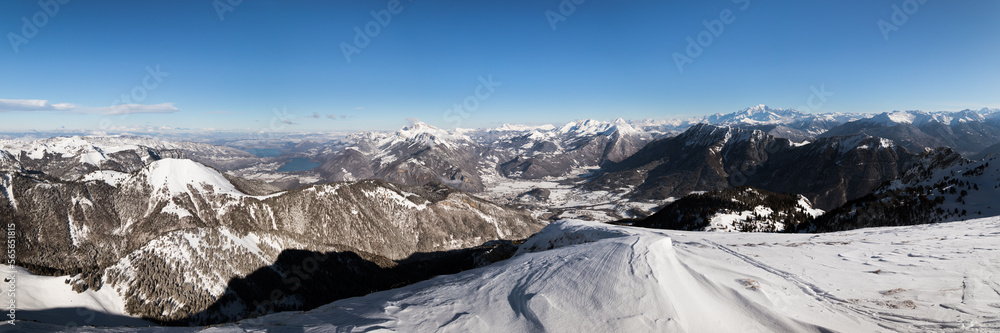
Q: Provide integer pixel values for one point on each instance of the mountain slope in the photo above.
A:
(707, 157)
(967, 131)
(941, 187)
(782, 123)
(579, 277)
(178, 223)
(739, 209)
(415, 155)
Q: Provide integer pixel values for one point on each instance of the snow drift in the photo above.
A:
(578, 276)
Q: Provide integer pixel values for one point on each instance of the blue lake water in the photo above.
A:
(298, 164)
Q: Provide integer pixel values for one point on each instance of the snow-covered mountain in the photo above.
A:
(967, 131)
(70, 158)
(738, 209)
(577, 276)
(415, 155)
(940, 187)
(784, 123)
(707, 157)
(172, 234)
(538, 154)
(175, 231)
(466, 159)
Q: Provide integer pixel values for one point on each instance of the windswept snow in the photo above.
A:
(49, 299)
(577, 276)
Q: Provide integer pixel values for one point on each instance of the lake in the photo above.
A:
(298, 164)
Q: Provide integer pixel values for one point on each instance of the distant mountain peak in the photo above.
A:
(596, 127)
(918, 118)
(523, 128)
(756, 109)
(423, 133)
(756, 115)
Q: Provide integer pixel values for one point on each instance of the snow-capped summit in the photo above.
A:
(918, 118)
(591, 127)
(90, 149)
(989, 111)
(523, 128)
(588, 126)
(422, 133)
(622, 127)
(173, 176)
(756, 115)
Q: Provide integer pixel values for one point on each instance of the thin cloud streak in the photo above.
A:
(37, 105)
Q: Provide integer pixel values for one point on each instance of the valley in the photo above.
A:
(187, 233)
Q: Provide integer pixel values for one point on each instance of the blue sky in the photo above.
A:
(270, 64)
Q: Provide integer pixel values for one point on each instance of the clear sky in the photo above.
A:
(263, 64)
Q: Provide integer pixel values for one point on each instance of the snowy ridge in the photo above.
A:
(173, 176)
(384, 145)
(756, 115)
(753, 116)
(590, 127)
(584, 276)
(89, 149)
(522, 128)
(918, 118)
(990, 114)
(428, 135)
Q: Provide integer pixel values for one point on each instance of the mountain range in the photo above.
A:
(192, 232)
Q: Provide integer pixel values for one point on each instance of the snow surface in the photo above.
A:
(577, 276)
(919, 118)
(89, 149)
(174, 175)
(111, 177)
(50, 299)
(566, 197)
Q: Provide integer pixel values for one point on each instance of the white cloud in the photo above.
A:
(33, 105)
(135, 108)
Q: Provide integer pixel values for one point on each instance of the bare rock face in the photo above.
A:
(171, 235)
